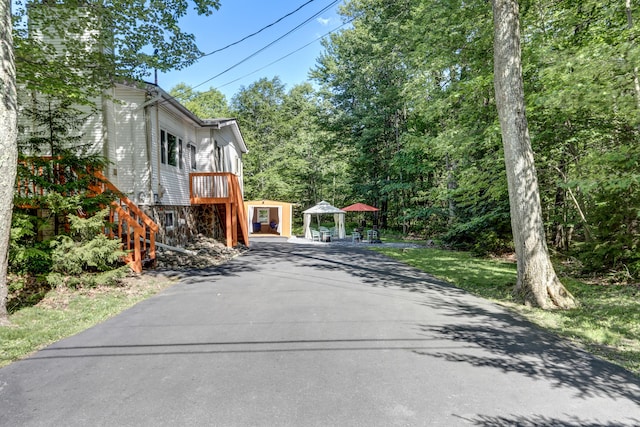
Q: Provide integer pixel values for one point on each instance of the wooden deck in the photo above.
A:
(136, 230)
(222, 189)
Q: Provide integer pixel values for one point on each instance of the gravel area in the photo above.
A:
(203, 252)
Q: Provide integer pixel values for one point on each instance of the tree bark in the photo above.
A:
(636, 79)
(8, 146)
(537, 282)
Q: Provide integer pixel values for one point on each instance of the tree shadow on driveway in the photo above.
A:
(514, 344)
(508, 343)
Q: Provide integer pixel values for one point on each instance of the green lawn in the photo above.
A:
(64, 312)
(607, 323)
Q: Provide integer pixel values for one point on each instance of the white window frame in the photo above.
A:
(171, 156)
(169, 220)
(193, 160)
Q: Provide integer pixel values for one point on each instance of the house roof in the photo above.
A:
(215, 123)
(267, 203)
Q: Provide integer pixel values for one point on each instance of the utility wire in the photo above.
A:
(268, 45)
(287, 55)
(257, 32)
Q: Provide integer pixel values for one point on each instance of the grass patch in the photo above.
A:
(607, 323)
(62, 312)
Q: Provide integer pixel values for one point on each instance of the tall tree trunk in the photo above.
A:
(636, 79)
(8, 146)
(537, 282)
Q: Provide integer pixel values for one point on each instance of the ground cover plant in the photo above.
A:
(607, 322)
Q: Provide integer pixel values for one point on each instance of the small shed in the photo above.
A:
(324, 208)
(269, 217)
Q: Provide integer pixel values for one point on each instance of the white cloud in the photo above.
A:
(323, 21)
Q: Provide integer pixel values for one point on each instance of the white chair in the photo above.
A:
(356, 237)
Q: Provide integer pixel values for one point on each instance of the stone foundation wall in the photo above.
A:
(181, 225)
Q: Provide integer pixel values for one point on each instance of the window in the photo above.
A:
(192, 156)
(168, 220)
(263, 216)
(171, 149)
(218, 155)
(163, 147)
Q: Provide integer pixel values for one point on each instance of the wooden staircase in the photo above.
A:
(132, 226)
(136, 230)
(222, 189)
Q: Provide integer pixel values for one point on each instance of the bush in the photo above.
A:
(482, 235)
(26, 256)
(87, 256)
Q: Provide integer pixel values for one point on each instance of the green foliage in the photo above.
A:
(607, 321)
(87, 256)
(98, 44)
(415, 104)
(206, 105)
(409, 90)
(26, 255)
(289, 156)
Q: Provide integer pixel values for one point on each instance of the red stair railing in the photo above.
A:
(136, 230)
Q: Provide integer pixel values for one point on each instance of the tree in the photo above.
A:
(582, 108)
(99, 41)
(259, 112)
(206, 105)
(53, 156)
(537, 281)
(8, 145)
(90, 45)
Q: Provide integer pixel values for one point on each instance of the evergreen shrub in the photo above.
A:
(26, 255)
(86, 256)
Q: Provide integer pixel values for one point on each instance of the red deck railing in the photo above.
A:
(136, 230)
(222, 188)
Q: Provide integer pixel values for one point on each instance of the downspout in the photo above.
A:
(114, 175)
(148, 136)
(212, 142)
(105, 127)
(158, 148)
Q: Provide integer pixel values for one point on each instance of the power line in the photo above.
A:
(270, 44)
(257, 32)
(287, 55)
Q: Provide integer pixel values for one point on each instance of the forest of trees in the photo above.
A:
(403, 116)
(401, 113)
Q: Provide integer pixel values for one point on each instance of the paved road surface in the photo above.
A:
(297, 335)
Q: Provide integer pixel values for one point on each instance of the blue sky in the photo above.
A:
(237, 19)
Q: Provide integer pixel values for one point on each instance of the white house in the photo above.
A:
(181, 175)
(161, 153)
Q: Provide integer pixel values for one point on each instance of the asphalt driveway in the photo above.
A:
(314, 335)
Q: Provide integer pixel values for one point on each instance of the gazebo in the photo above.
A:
(324, 208)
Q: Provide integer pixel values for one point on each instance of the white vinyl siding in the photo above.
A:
(172, 175)
(127, 143)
